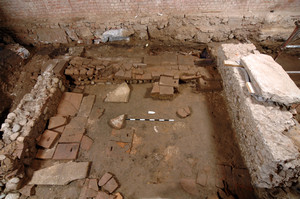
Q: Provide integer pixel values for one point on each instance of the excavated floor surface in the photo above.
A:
(164, 155)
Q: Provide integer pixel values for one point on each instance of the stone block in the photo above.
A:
(60, 174)
(48, 36)
(155, 90)
(168, 81)
(270, 80)
(118, 122)
(166, 92)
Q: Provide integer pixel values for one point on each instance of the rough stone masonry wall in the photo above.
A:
(22, 127)
(36, 21)
(271, 157)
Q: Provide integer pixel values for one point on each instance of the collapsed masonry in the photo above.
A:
(264, 130)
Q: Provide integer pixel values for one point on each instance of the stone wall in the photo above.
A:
(23, 126)
(272, 157)
(171, 20)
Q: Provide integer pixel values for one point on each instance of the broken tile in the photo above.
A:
(66, 151)
(77, 123)
(69, 104)
(104, 179)
(27, 190)
(103, 195)
(47, 139)
(111, 185)
(45, 153)
(168, 81)
(120, 94)
(93, 184)
(86, 105)
(118, 196)
(70, 137)
(57, 123)
(60, 174)
(183, 112)
(86, 143)
(96, 113)
(118, 122)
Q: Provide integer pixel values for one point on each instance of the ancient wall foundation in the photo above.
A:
(262, 128)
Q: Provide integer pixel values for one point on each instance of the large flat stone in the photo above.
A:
(60, 174)
(120, 94)
(270, 80)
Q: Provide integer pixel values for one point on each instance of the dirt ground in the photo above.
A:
(159, 160)
(163, 154)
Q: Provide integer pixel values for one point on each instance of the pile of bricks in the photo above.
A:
(86, 71)
(165, 87)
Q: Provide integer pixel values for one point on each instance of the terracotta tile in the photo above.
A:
(111, 185)
(70, 138)
(93, 184)
(45, 153)
(77, 123)
(104, 179)
(57, 121)
(69, 104)
(66, 151)
(47, 139)
(86, 143)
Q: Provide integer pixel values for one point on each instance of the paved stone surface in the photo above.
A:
(111, 185)
(47, 139)
(86, 105)
(120, 94)
(104, 179)
(66, 152)
(60, 174)
(270, 80)
(70, 137)
(86, 143)
(69, 104)
(118, 122)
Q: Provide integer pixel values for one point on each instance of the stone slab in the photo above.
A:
(71, 137)
(60, 174)
(118, 122)
(66, 151)
(69, 104)
(120, 94)
(55, 35)
(45, 154)
(86, 105)
(57, 123)
(270, 80)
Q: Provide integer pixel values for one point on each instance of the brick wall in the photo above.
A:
(49, 9)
